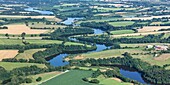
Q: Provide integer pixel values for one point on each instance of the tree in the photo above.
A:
(7, 35)
(23, 35)
(39, 79)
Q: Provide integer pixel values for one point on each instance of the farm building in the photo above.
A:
(158, 47)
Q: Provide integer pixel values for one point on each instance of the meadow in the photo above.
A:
(121, 32)
(121, 23)
(11, 65)
(73, 77)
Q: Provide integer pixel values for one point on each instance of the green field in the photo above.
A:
(121, 23)
(34, 41)
(44, 76)
(12, 65)
(27, 54)
(121, 32)
(110, 81)
(73, 77)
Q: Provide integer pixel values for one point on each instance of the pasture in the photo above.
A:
(121, 23)
(73, 77)
(28, 54)
(8, 54)
(118, 32)
(11, 65)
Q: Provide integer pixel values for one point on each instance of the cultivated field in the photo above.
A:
(19, 29)
(152, 28)
(8, 54)
(162, 57)
(12, 65)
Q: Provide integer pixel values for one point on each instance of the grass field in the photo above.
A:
(28, 54)
(10, 42)
(111, 81)
(121, 32)
(20, 29)
(121, 23)
(35, 41)
(44, 76)
(8, 54)
(112, 53)
(12, 65)
(146, 18)
(73, 77)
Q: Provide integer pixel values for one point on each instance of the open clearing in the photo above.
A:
(8, 54)
(28, 54)
(152, 28)
(121, 23)
(162, 57)
(73, 77)
(12, 65)
(19, 29)
(50, 18)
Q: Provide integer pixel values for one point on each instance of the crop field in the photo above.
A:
(28, 54)
(121, 23)
(152, 28)
(20, 29)
(73, 77)
(12, 65)
(8, 54)
(121, 32)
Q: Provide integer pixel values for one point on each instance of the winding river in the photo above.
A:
(59, 59)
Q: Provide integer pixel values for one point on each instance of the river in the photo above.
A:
(59, 59)
(39, 11)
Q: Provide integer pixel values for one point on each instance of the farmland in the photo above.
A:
(10, 65)
(122, 23)
(21, 28)
(8, 54)
(76, 80)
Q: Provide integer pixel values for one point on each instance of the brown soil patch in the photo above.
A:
(79, 57)
(117, 79)
(8, 54)
(152, 28)
(163, 57)
(19, 29)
